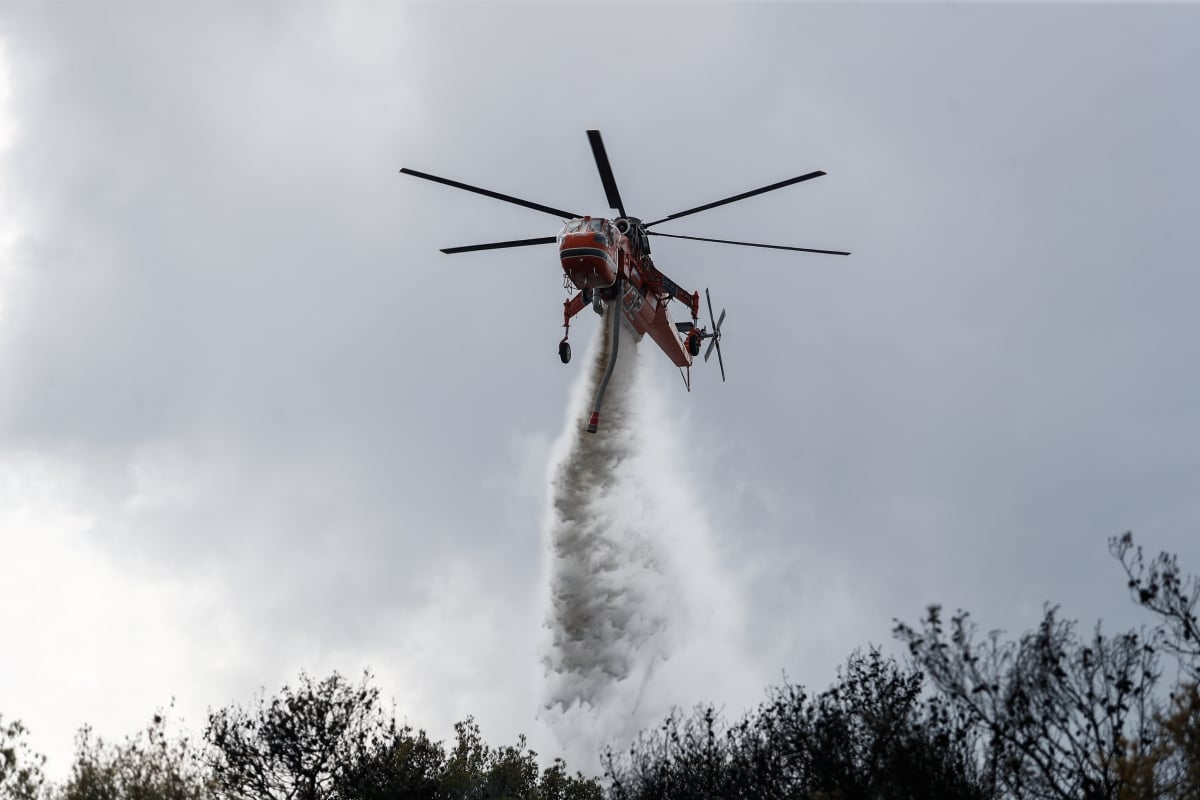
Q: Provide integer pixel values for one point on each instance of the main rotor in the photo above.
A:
(626, 223)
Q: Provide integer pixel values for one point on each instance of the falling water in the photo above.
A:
(634, 591)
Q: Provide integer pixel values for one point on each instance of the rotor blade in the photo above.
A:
(499, 245)
(716, 334)
(606, 173)
(750, 244)
(558, 212)
(737, 197)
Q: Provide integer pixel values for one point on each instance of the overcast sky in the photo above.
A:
(252, 422)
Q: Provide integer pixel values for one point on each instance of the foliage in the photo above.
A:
(330, 740)
(474, 771)
(297, 745)
(1179, 737)
(1059, 713)
(400, 765)
(876, 733)
(21, 776)
(152, 766)
(872, 735)
(411, 767)
(1170, 767)
(1160, 588)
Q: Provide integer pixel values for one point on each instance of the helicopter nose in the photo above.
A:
(586, 264)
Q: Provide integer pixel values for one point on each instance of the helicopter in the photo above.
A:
(607, 262)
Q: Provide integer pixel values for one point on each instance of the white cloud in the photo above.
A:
(92, 638)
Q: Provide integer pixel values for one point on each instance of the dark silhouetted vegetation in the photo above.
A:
(21, 775)
(875, 733)
(151, 766)
(296, 745)
(1162, 589)
(1054, 714)
(410, 766)
(1058, 712)
(330, 740)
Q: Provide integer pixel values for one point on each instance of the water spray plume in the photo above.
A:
(632, 581)
(601, 621)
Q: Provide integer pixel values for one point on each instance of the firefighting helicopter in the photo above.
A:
(607, 261)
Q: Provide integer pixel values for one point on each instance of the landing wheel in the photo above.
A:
(693, 344)
(598, 303)
(564, 351)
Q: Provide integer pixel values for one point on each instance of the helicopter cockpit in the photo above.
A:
(601, 229)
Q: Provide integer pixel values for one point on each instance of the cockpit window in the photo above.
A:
(600, 226)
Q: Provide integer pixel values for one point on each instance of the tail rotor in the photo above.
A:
(715, 335)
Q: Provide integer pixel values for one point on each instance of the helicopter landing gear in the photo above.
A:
(564, 351)
(598, 303)
(693, 342)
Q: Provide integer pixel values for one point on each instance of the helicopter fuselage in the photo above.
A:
(600, 258)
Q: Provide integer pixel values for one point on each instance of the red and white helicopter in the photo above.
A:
(608, 261)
